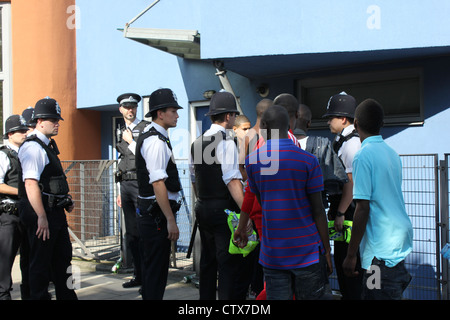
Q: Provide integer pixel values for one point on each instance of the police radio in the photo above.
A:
(119, 134)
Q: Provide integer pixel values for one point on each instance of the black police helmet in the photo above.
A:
(162, 98)
(129, 99)
(341, 105)
(46, 108)
(14, 123)
(27, 114)
(222, 102)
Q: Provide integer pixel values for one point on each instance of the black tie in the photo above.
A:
(53, 146)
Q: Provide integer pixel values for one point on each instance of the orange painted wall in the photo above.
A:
(44, 64)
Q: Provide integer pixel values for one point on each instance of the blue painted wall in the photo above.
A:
(243, 28)
(109, 64)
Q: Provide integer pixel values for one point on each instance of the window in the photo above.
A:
(5, 59)
(398, 91)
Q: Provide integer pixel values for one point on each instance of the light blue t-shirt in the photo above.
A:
(377, 177)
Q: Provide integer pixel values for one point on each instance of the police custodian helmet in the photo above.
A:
(222, 102)
(46, 108)
(341, 105)
(162, 98)
(14, 123)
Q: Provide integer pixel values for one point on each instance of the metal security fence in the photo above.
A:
(421, 188)
(421, 194)
(95, 225)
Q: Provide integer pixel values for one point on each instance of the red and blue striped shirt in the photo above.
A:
(284, 175)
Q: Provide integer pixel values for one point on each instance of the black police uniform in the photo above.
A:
(213, 197)
(12, 232)
(343, 105)
(49, 259)
(152, 223)
(126, 175)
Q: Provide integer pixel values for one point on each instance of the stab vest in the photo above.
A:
(208, 171)
(53, 180)
(337, 144)
(12, 175)
(145, 187)
(127, 158)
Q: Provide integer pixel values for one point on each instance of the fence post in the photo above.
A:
(444, 224)
(82, 213)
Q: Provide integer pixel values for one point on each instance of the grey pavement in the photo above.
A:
(97, 282)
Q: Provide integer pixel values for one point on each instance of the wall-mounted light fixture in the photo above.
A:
(263, 90)
(208, 94)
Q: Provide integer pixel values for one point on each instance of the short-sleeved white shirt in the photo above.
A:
(349, 148)
(33, 157)
(157, 155)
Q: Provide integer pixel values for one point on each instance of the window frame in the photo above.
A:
(5, 73)
(369, 78)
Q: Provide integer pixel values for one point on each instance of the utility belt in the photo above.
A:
(9, 206)
(124, 176)
(150, 208)
(56, 200)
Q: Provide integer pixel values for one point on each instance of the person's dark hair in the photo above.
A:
(289, 102)
(369, 115)
(219, 117)
(154, 114)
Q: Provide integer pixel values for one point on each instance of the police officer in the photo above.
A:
(126, 175)
(44, 195)
(159, 185)
(217, 181)
(11, 229)
(27, 114)
(340, 114)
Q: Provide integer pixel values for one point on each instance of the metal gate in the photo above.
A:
(421, 193)
(95, 222)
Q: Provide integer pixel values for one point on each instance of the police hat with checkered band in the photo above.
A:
(14, 123)
(162, 98)
(129, 99)
(46, 108)
(341, 105)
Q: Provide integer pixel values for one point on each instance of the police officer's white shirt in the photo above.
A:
(131, 126)
(227, 155)
(5, 164)
(349, 148)
(157, 154)
(33, 157)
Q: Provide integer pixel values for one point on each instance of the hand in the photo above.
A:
(119, 201)
(241, 236)
(43, 229)
(172, 229)
(329, 263)
(127, 136)
(349, 265)
(338, 223)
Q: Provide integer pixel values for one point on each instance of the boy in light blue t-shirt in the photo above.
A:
(381, 228)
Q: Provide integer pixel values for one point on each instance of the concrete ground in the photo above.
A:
(97, 282)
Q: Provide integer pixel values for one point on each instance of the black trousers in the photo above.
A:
(128, 195)
(350, 287)
(155, 251)
(49, 258)
(220, 271)
(13, 236)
